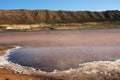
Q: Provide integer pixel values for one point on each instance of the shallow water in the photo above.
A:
(62, 38)
(62, 58)
(61, 50)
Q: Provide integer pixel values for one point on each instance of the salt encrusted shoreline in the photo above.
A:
(4, 63)
(90, 68)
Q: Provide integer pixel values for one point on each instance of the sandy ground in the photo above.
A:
(3, 49)
(10, 75)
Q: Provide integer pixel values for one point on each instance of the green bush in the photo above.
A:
(2, 27)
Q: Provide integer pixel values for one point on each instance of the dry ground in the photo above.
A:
(10, 75)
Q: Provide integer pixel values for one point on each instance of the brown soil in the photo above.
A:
(3, 49)
(10, 75)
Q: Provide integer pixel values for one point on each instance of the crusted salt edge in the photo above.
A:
(4, 63)
(12, 66)
(18, 68)
(94, 66)
(3, 58)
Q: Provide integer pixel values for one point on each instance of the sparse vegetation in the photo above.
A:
(62, 26)
(2, 27)
(55, 20)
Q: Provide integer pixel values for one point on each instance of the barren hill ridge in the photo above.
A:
(48, 16)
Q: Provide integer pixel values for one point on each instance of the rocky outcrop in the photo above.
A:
(47, 16)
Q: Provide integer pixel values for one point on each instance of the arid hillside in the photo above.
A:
(47, 16)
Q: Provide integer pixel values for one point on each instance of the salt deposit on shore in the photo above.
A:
(12, 66)
(90, 70)
(102, 67)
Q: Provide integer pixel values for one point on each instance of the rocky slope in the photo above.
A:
(47, 16)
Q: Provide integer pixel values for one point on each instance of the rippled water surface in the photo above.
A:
(61, 50)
